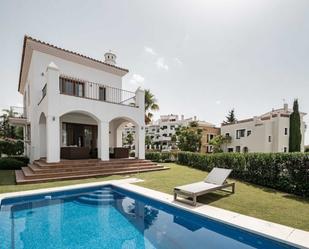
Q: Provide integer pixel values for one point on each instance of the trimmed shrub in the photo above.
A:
(153, 156)
(11, 147)
(8, 163)
(161, 156)
(23, 159)
(287, 172)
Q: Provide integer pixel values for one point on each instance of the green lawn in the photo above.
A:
(249, 199)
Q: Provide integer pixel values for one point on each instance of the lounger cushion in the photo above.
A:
(196, 187)
(218, 176)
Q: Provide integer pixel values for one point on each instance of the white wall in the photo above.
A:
(260, 131)
(55, 105)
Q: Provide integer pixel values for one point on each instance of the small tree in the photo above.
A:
(218, 141)
(7, 130)
(295, 133)
(230, 118)
(129, 139)
(189, 138)
(148, 140)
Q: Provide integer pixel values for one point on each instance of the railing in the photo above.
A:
(17, 112)
(95, 91)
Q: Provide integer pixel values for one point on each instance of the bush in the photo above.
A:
(11, 164)
(288, 172)
(161, 156)
(23, 159)
(11, 147)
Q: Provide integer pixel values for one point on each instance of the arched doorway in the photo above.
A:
(125, 138)
(78, 135)
(42, 135)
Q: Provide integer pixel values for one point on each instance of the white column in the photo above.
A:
(119, 136)
(140, 129)
(52, 117)
(52, 139)
(140, 142)
(103, 140)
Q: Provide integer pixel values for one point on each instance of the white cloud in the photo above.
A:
(149, 50)
(137, 80)
(178, 61)
(218, 102)
(161, 64)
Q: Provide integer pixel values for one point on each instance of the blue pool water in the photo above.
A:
(110, 217)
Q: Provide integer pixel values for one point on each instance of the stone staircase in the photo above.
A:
(41, 171)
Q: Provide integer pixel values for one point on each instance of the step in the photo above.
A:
(101, 191)
(36, 168)
(87, 200)
(94, 162)
(21, 179)
(35, 175)
(100, 196)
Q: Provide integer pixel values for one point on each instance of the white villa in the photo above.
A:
(266, 133)
(74, 106)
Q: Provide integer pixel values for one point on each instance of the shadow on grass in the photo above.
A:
(212, 197)
(7, 177)
(275, 191)
(304, 200)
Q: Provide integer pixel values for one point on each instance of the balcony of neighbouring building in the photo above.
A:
(17, 116)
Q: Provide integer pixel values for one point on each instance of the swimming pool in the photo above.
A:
(112, 217)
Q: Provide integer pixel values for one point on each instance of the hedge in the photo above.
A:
(7, 163)
(11, 147)
(288, 172)
(161, 156)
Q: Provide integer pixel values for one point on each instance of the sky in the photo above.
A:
(199, 57)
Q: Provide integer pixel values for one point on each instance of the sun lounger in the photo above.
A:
(216, 180)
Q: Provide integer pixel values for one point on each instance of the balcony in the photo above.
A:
(95, 91)
(17, 116)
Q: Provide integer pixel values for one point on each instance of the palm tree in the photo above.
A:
(150, 105)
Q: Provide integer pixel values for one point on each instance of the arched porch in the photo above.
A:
(78, 135)
(119, 140)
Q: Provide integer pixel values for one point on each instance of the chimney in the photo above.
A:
(285, 107)
(110, 58)
(182, 117)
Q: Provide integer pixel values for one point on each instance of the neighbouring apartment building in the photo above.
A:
(266, 133)
(209, 131)
(161, 133)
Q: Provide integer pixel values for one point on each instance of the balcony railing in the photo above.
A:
(17, 112)
(95, 91)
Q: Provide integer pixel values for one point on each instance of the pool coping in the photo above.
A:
(288, 235)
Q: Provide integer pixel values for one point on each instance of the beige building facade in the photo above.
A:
(266, 133)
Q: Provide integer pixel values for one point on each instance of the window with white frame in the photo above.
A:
(240, 133)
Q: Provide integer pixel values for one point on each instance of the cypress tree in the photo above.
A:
(230, 118)
(295, 134)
